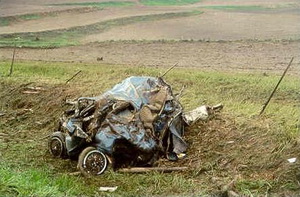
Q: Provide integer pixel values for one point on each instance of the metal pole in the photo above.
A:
(73, 76)
(266, 104)
(12, 61)
(168, 70)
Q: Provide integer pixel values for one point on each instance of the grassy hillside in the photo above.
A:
(235, 150)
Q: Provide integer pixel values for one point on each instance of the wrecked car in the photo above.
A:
(134, 124)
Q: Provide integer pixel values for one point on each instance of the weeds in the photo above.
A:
(253, 188)
(38, 182)
(234, 145)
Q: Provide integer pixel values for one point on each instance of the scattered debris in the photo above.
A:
(200, 113)
(2, 114)
(37, 88)
(108, 189)
(73, 76)
(230, 142)
(38, 123)
(217, 107)
(99, 59)
(292, 160)
(30, 92)
(75, 173)
(28, 110)
(232, 194)
(149, 169)
(132, 125)
(45, 137)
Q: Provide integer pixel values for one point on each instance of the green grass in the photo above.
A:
(37, 182)
(69, 37)
(254, 187)
(5, 21)
(30, 16)
(168, 2)
(39, 40)
(237, 7)
(27, 169)
(44, 182)
(98, 4)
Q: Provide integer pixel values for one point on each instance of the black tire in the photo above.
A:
(92, 162)
(57, 145)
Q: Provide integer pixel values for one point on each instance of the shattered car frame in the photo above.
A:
(134, 124)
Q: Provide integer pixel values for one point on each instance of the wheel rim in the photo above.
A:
(95, 162)
(56, 147)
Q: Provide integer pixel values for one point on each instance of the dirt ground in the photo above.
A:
(279, 23)
(211, 25)
(248, 56)
(17, 7)
(85, 16)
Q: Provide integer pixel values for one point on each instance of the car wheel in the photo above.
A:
(92, 162)
(57, 145)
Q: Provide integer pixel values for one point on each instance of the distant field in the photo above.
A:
(69, 37)
(236, 7)
(168, 2)
(98, 4)
(5, 21)
(226, 26)
(139, 20)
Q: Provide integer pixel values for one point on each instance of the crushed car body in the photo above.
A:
(134, 124)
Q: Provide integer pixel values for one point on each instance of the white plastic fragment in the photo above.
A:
(230, 142)
(292, 160)
(200, 113)
(181, 155)
(108, 189)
